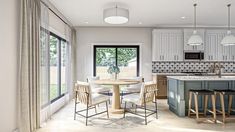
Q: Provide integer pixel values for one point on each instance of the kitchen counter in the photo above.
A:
(179, 86)
(185, 74)
(203, 78)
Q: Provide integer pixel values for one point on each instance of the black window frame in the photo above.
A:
(60, 95)
(116, 47)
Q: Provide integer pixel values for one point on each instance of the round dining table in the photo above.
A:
(116, 105)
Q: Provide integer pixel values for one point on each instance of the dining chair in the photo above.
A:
(131, 89)
(84, 96)
(95, 88)
(147, 95)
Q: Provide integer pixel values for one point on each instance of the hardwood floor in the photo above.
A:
(63, 121)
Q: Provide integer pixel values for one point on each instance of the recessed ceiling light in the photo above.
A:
(140, 23)
(86, 22)
(183, 17)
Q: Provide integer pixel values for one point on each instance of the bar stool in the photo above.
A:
(205, 94)
(222, 93)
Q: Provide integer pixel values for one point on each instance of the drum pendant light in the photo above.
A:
(195, 39)
(116, 15)
(229, 39)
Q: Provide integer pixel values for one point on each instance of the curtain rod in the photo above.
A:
(54, 12)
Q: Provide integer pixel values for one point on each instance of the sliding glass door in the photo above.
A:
(125, 57)
(58, 66)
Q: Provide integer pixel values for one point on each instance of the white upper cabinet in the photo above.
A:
(213, 49)
(167, 45)
(232, 52)
(187, 35)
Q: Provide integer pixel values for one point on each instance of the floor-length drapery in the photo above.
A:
(45, 112)
(29, 91)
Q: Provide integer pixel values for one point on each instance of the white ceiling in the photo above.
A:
(151, 13)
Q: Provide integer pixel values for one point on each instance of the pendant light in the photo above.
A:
(195, 39)
(116, 15)
(229, 39)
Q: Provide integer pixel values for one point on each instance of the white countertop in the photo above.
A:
(203, 78)
(185, 74)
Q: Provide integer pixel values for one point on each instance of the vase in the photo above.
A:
(114, 76)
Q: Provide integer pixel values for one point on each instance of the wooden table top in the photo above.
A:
(116, 82)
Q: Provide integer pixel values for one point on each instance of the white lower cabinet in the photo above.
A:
(167, 45)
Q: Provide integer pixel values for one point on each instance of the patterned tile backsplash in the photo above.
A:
(190, 66)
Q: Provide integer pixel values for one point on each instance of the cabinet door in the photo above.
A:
(232, 50)
(167, 45)
(223, 51)
(175, 45)
(232, 53)
(156, 39)
(211, 47)
(214, 49)
(187, 35)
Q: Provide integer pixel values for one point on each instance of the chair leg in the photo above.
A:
(124, 114)
(156, 108)
(122, 94)
(95, 109)
(205, 104)
(196, 105)
(214, 107)
(109, 98)
(222, 106)
(145, 114)
(230, 104)
(107, 109)
(87, 114)
(190, 104)
(75, 106)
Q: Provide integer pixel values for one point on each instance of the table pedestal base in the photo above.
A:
(116, 111)
(116, 105)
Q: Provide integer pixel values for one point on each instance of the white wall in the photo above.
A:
(9, 38)
(88, 35)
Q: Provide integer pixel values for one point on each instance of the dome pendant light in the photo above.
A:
(116, 15)
(229, 39)
(195, 39)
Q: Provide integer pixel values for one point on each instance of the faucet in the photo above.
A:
(217, 69)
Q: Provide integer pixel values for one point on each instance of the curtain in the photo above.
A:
(73, 62)
(45, 112)
(29, 91)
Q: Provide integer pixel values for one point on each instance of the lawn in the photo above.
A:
(54, 90)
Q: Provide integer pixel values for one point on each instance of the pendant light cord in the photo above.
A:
(116, 9)
(195, 18)
(229, 17)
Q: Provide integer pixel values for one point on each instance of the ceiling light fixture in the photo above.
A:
(195, 39)
(229, 39)
(116, 15)
(183, 17)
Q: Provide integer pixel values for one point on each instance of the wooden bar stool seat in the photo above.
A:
(205, 94)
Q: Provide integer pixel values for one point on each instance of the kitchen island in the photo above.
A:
(178, 87)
